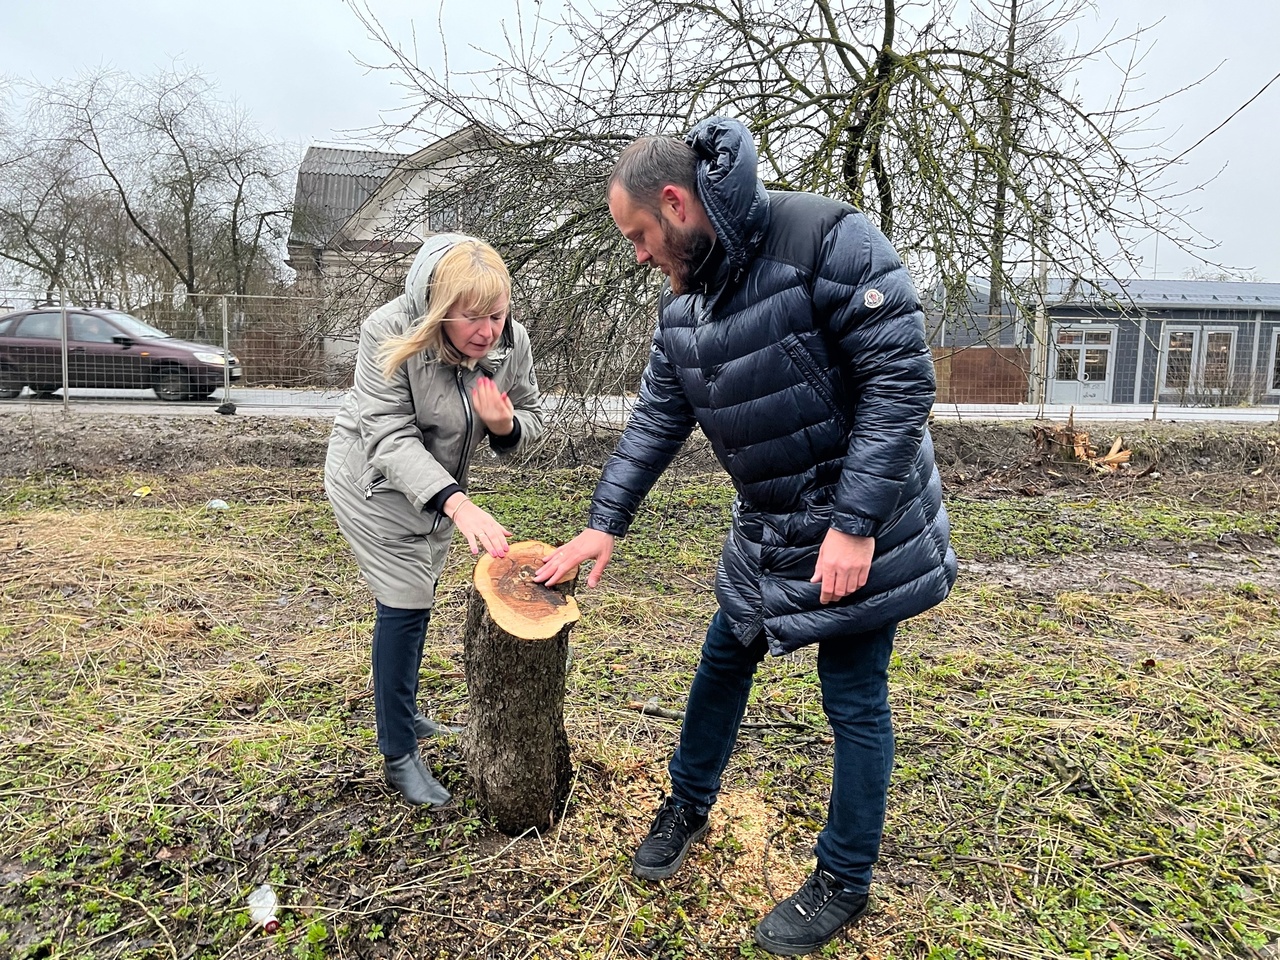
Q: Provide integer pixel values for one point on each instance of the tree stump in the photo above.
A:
(515, 647)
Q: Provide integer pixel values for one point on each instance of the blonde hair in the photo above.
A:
(470, 275)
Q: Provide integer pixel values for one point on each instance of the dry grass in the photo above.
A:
(1082, 770)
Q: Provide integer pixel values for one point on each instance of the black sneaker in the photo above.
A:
(810, 917)
(662, 851)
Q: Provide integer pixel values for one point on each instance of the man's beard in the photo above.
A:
(687, 250)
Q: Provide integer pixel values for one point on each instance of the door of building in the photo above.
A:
(1083, 363)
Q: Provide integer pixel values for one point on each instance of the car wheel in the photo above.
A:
(43, 391)
(10, 385)
(172, 384)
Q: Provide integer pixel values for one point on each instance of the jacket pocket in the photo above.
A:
(814, 375)
(374, 484)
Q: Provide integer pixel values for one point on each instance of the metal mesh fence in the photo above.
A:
(280, 342)
(274, 350)
(296, 353)
(1221, 359)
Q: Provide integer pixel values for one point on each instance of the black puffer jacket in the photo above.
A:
(802, 356)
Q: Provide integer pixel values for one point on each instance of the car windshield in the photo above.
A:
(135, 327)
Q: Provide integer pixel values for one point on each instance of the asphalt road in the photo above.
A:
(255, 401)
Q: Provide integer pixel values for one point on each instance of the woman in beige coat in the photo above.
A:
(438, 370)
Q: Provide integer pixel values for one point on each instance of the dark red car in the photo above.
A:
(106, 349)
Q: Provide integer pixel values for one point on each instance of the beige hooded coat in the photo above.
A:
(396, 443)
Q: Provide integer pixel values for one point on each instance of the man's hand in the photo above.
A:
(563, 561)
(843, 564)
(480, 529)
(493, 407)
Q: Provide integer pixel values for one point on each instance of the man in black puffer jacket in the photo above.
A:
(790, 333)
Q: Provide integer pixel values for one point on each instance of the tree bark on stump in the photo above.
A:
(515, 646)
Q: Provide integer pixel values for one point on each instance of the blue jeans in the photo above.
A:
(398, 637)
(853, 672)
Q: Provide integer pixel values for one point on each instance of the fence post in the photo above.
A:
(226, 406)
(66, 373)
(226, 350)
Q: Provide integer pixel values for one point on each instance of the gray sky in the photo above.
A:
(293, 66)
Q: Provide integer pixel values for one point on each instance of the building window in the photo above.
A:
(1068, 366)
(1217, 359)
(1177, 366)
(1199, 363)
(1275, 363)
(442, 211)
(1083, 355)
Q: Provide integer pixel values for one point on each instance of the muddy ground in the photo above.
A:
(1212, 456)
(1212, 465)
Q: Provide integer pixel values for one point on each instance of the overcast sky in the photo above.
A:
(294, 66)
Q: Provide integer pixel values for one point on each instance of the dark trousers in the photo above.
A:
(853, 672)
(398, 636)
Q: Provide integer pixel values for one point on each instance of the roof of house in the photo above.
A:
(1201, 294)
(1235, 294)
(457, 144)
(333, 183)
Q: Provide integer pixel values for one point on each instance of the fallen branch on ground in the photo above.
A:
(650, 710)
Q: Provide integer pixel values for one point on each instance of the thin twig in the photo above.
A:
(649, 710)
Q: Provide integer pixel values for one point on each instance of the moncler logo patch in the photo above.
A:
(873, 298)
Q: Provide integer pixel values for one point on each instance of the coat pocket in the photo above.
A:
(376, 482)
(814, 375)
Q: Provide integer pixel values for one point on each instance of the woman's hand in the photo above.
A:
(493, 407)
(480, 529)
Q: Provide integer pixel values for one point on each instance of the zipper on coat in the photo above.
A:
(466, 436)
(813, 375)
(466, 441)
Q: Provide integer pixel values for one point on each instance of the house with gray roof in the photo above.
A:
(360, 215)
(333, 183)
(1191, 342)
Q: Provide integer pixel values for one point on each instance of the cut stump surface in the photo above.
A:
(518, 605)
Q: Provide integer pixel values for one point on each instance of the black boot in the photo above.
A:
(810, 917)
(410, 776)
(425, 728)
(673, 832)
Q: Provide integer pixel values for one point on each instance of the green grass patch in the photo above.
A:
(1036, 528)
(185, 698)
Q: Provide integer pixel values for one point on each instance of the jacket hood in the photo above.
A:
(729, 186)
(418, 281)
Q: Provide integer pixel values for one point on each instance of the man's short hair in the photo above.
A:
(651, 163)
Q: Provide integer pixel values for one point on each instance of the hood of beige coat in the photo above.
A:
(418, 280)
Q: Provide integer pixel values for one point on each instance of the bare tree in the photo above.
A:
(120, 188)
(198, 184)
(967, 143)
(46, 197)
(39, 216)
